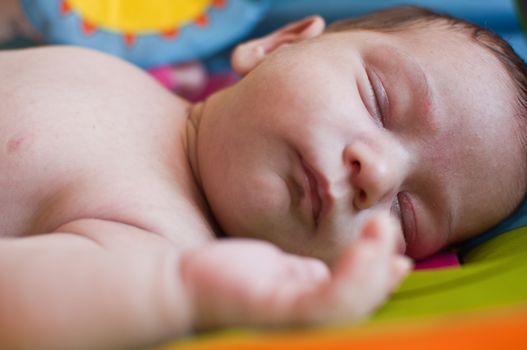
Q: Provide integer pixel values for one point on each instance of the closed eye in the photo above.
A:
(372, 103)
(379, 98)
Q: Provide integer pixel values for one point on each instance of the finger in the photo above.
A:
(401, 267)
(305, 276)
(377, 242)
(387, 230)
(363, 277)
(306, 269)
(351, 293)
(384, 227)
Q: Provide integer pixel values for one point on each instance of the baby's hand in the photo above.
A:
(248, 282)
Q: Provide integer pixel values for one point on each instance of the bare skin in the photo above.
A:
(105, 231)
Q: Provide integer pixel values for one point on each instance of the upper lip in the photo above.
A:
(318, 189)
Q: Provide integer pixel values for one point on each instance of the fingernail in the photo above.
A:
(403, 265)
(371, 230)
(259, 51)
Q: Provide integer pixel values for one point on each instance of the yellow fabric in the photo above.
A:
(133, 16)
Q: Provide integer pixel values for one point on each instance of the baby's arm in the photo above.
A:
(93, 284)
(100, 284)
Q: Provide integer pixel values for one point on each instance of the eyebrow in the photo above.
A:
(424, 83)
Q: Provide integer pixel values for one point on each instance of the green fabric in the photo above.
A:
(493, 276)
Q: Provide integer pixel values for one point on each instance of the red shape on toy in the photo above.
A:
(65, 7)
(88, 28)
(129, 39)
(170, 34)
(202, 21)
(219, 3)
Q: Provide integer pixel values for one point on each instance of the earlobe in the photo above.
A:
(249, 55)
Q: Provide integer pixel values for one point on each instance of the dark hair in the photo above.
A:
(408, 17)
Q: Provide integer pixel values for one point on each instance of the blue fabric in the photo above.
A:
(499, 15)
(517, 219)
(226, 26)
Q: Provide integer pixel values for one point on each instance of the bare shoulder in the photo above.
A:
(67, 62)
(86, 135)
(71, 56)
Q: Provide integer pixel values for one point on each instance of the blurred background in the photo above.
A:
(192, 55)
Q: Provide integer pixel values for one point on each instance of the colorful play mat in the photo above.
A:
(479, 305)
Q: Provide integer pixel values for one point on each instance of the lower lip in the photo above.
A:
(316, 202)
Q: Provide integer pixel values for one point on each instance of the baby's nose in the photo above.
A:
(373, 175)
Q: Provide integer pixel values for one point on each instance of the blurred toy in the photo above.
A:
(147, 33)
(191, 80)
(521, 6)
(168, 37)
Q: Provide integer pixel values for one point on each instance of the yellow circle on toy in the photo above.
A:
(134, 16)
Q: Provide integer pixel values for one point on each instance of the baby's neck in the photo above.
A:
(191, 143)
(193, 122)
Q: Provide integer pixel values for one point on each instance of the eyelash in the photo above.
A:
(396, 211)
(377, 105)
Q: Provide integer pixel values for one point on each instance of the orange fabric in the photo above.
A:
(496, 330)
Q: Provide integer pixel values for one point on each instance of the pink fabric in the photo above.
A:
(215, 82)
(163, 74)
(438, 261)
(196, 84)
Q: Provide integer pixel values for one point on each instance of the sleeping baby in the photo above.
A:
(294, 197)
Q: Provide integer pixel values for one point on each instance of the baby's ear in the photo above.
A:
(248, 55)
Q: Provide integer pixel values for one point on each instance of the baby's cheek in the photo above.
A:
(400, 245)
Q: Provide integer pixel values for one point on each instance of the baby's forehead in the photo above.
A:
(464, 52)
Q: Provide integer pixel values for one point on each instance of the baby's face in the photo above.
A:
(326, 132)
